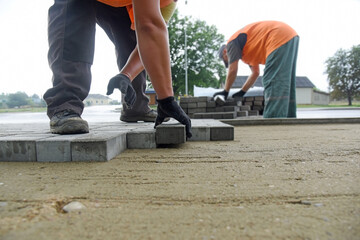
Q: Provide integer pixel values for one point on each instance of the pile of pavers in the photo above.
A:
(207, 108)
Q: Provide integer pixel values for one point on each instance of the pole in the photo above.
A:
(186, 62)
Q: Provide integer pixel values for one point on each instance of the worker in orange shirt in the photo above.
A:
(71, 49)
(274, 44)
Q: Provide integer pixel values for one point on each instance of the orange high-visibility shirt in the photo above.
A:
(129, 7)
(262, 39)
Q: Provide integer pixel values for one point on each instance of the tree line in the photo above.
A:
(20, 99)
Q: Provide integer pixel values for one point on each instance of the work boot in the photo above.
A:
(147, 117)
(68, 122)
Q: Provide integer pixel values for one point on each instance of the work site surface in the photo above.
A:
(271, 182)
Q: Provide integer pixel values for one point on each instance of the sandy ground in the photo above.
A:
(271, 182)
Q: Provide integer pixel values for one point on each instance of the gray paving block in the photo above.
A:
(242, 113)
(245, 108)
(200, 131)
(231, 108)
(249, 99)
(210, 109)
(204, 99)
(183, 104)
(253, 113)
(201, 105)
(192, 105)
(211, 104)
(259, 98)
(20, 148)
(229, 115)
(221, 132)
(170, 133)
(258, 103)
(141, 139)
(98, 146)
(55, 149)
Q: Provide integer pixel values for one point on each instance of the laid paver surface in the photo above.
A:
(34, 142)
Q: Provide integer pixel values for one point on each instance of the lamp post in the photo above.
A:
(186, 65)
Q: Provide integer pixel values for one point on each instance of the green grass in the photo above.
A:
(331, 105)
(14, 110)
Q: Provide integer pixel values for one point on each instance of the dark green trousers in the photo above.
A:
(279, 81)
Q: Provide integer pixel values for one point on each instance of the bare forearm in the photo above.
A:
(133, 66)
(251, 79)
(153, 45)
(231, 76)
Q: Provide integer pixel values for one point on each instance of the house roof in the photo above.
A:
(301, 82)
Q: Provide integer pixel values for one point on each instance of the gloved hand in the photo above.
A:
(240, 93)
(123, 83)
(167, 107)
(223, 93)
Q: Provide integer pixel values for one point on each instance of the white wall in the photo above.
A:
(304, 95)
(320, 98)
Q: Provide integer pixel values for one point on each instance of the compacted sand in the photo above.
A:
(271, 182)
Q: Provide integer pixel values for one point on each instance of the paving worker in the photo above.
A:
(274, 44)
(133, 67)
(71, 51)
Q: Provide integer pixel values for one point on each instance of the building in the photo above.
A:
(305, 90)
(97, 99)
(152, 96)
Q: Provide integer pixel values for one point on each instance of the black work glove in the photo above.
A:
(240, 93)
(123, 83)
(223, 93)
(167, 107)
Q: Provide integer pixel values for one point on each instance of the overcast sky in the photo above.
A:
(324, 26)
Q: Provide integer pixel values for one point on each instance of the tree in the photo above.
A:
(343, 71)
(203, 42)
(17, 99)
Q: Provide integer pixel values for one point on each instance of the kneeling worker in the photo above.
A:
(274, 44)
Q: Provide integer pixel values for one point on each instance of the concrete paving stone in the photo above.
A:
(204, 99)
(242, 113)
(217, 115)
(231, 108)
(219, 109)
(192, 105)
(203, 115)
(141, 139)
(98, 146)
(245, 108)
(259, 98)
(200, 130)
(170, 133)
(258, 103)
(210, 109)
(210, 104)
(20, 148)
(201, 104)
(183, 104)
(248, 103)
(249, 99)
(196, 110)
(253, 113)
(55, 149)
(221, 132)
(259, 108)
(229, 115)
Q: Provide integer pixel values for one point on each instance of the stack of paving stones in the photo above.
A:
(34, 142)
(206, 107)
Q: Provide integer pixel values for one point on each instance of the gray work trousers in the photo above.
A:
(71, 36)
